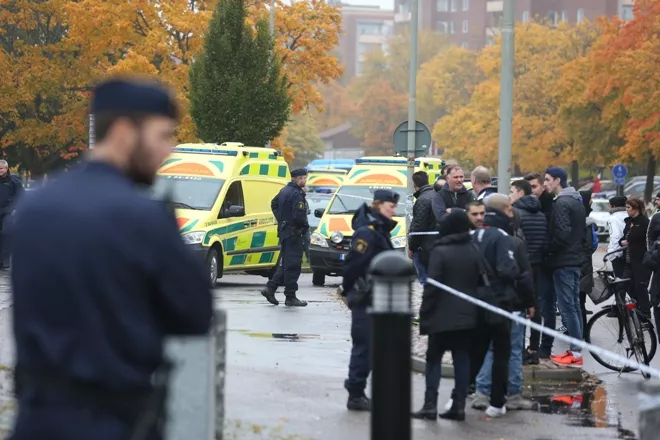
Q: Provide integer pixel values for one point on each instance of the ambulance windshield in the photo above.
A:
(349, 199)
(187, 192)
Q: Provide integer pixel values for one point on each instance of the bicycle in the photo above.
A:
(637, 327)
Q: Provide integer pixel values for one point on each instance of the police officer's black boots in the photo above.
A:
(270, 296)
(293, 301)
(430, 409)
(457, 410)
(358, 402)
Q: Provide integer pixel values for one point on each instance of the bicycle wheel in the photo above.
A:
(638, 340)
(607, 332)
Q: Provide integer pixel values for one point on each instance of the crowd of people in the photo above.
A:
(529, 253)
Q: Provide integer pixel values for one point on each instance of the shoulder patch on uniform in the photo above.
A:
(360, 245)
(301, 205)
(372, 227)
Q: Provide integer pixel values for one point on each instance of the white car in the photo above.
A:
(600, 212)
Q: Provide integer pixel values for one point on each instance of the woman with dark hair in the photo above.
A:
(634, 237)
(590, 246)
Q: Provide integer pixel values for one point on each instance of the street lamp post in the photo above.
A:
(506, 98)
(412, 91)
(271, 27)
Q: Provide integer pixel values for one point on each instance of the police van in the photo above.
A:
(221, 195)
(331, 240)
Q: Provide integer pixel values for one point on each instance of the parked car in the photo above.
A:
(605, 185)
(600, 212)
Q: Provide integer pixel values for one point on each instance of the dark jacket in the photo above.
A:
(653, 232)
(523, 284)
(635, 234)
(423, 219)
(290, 209)
(11, 189)
(371, 237)
(498, 250)
(566, 230)
(486, 192)
(105, 318)
(454, 262)
(447, 198)
(587, 267)
(535, 227)
(547, 202)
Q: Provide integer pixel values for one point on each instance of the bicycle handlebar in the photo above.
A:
(616, 251)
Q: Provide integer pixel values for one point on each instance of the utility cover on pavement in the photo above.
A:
(619, 171)
(422, 139)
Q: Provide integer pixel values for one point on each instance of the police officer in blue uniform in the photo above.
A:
(101, 276)
(373, 226)
(290, 209)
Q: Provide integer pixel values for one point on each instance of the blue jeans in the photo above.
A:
(567, 288)
(421, 270)
(515, 383)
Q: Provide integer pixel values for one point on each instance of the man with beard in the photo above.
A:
(10, 190)
(453, 195)
(101, 276)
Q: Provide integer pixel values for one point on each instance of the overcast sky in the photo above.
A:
(384, 4)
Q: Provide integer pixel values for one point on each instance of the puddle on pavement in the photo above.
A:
(279, 336)
(584, 406)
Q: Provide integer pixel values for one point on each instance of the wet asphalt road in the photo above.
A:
(286, 368)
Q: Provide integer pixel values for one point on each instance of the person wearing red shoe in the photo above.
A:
(566, 235)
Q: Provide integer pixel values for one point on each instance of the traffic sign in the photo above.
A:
(422, 139)
(619, 171)
(620, 181)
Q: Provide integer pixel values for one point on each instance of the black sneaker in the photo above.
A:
(292, 301)
(530, 358)
(358, 403)
(270, 296)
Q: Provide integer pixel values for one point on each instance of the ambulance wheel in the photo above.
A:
(213, 265)
(318, 279)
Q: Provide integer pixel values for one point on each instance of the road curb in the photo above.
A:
(530, 373)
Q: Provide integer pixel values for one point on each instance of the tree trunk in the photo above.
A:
(575, 174)
(650, 179)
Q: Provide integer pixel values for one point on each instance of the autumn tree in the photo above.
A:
(379, 94)
(303, 137)
(541, 51)
(237, 90)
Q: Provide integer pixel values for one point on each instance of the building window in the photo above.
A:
(465, 26)
(525, 16)
(465, 45)
(580, 15)
(627, 12)
(466, 5)
(451, 27)
(370, 28)
(564, 15)
(454, 5)
(442, 27)
(553, 18)
(442, 5)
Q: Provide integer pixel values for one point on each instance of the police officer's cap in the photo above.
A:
(299, 172)
(133, 96)
(385, 195)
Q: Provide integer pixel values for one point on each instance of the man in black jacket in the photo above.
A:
(535, 227)
(566, 235)
(423, 221)
(453, 195)
(537, 181)
(519, 294)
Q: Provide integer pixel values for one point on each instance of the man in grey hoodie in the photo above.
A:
(564, 257)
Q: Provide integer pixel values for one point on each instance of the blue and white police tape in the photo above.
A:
(577, 342)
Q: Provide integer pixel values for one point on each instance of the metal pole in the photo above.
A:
(649, 409)
(271, 27)
(506, 98)
(391, 312)
(92, 135)
(412, 91)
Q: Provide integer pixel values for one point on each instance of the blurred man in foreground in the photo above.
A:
(101, 277)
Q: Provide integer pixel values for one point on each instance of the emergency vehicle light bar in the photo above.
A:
(206, 151)
(384, 161)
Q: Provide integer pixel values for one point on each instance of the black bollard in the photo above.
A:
(391, 311)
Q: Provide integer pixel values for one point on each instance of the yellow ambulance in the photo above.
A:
(331, 240)
(222, 194)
